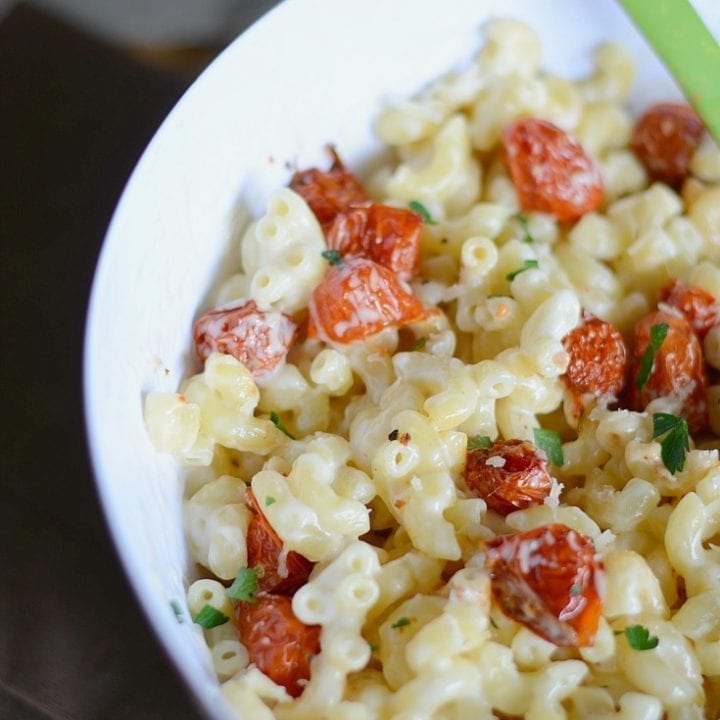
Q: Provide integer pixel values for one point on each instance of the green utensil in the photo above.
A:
(688, 49)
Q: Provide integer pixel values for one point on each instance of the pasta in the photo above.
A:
(477, 476)
(281, 253)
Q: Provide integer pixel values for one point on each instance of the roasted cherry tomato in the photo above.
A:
(277, 642)
(358, 298)
(551, 171)
(665, 139)
(327, 193)
(259, 339)
(697, 305)
(510, 475)
(598, 358)
(546, 579)
(678, 369)
(389, 236)
(265, 549)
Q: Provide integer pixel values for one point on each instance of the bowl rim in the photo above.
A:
(171, 644)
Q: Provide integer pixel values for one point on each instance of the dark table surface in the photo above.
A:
(75, 115)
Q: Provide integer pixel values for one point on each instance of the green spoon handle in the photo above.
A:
(688, 49)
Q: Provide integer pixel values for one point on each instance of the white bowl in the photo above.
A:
(310, 72)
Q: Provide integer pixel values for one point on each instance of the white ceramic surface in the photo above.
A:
(310, 72)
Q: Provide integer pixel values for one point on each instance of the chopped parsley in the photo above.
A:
(419, 344)
(244, 586)
(209, 617)
(269, 500)
(493, 623)
(417, 207)
(479, 441)
(674, 439)
(373, 648)
(576, 590)
(332, 256)
(401, 623)
(658, 333)
(639, 638)
(527, 264)
(275, 418)
(177, 610)
(522, 220)
(550, 442)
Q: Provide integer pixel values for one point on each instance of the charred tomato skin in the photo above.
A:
(328, 192)
(358, 298)
(551, 171)
(259, 339)
(277, 642)
(598, 359)
(546, 579)
(264, 548)
(664, 140)
(510, 475)
(678, 369)
(390, 236)
(698, 306)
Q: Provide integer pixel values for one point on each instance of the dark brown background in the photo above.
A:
(75, 115)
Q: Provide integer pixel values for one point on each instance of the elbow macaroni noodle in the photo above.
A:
(373, 491)
(281, 253)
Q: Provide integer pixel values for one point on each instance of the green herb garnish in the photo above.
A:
(332, 256)
(177, 610)
(244, 586)
(576, 590)
(209, 617)
(269, 500)
(527, 264)
(419, 344)
(373, 648)
(479, 441)
(675, 439)
(522, 220)
(278, 423)
(550, 442)
(657, 335)
(639, 638)
(417, 207)
(401, 623)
